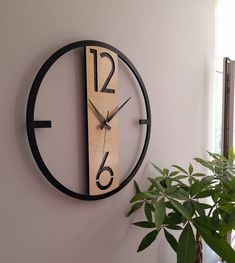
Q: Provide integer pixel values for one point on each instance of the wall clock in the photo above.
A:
(105, 110)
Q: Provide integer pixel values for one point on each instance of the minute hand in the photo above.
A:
(113, 114)
(99, 115)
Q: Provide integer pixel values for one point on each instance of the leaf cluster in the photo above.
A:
(190, 202)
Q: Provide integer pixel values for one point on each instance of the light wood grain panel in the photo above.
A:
(104, 102)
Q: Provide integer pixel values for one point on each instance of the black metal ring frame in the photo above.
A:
(30, 118)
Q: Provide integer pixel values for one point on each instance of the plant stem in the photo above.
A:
(199, 255)
(209, 213)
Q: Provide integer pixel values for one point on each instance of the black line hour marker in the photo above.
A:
(41, 124)
(145, 121)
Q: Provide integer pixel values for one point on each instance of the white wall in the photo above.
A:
(172, 45)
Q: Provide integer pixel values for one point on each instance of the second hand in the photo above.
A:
(105, 135)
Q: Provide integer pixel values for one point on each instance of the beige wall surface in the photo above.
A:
(172, 45)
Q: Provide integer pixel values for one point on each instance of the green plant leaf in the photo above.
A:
(170, 220)
(198, 174)
(204, 206)
(174, 227)
(184, 190)
(180, 208)
(218, 158)
(174, 173)
(175, 214)
(144, 224)
(171, 240)
(178, 195)
(199, 208)
(150, 188)
(228, 183)
(169, 205)
(159, 178)
(190, 169)
(171, 190)
(134, 208)
(206, 180)
(204, 221)
(231, 155)
(137, 188)
(148, 211)
(147, 240)
(187, 246)
(215, 220)
(228, 208)
(163, 184)
(144, 195)
(216, 242)
(225, 198)
(151, 194)
(138, 197)
(155, 184)
(166, 171)
(205, 163)
(191, 180)
(205, 193)
(158, 169)
(189, 206)
(194, 189)
(169, 182)
(179, 177)
(180, 169)
(224, 229)
(198, 186)
(159, 214)
(216, 195)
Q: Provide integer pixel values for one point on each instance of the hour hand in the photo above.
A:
(113, 114)
(100, 116)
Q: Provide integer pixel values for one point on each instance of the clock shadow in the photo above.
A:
(81, 111)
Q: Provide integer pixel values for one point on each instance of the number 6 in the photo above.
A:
(101, 170)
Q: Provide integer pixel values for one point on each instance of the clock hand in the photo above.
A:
(100, 116)
(105, 135)
(113, 114)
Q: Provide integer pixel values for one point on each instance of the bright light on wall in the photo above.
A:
(225, 34)
(224, 47)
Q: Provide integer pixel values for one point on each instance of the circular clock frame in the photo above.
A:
(30, 118)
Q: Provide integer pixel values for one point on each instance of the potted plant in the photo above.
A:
(200, 205)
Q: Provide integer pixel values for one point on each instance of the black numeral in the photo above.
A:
(104, 169)
(94, 51)
(104, 88)
(105, 85)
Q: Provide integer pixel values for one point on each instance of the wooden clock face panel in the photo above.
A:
(102, 95)
(78, 156)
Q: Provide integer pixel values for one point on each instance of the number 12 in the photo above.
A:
(105, 85)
